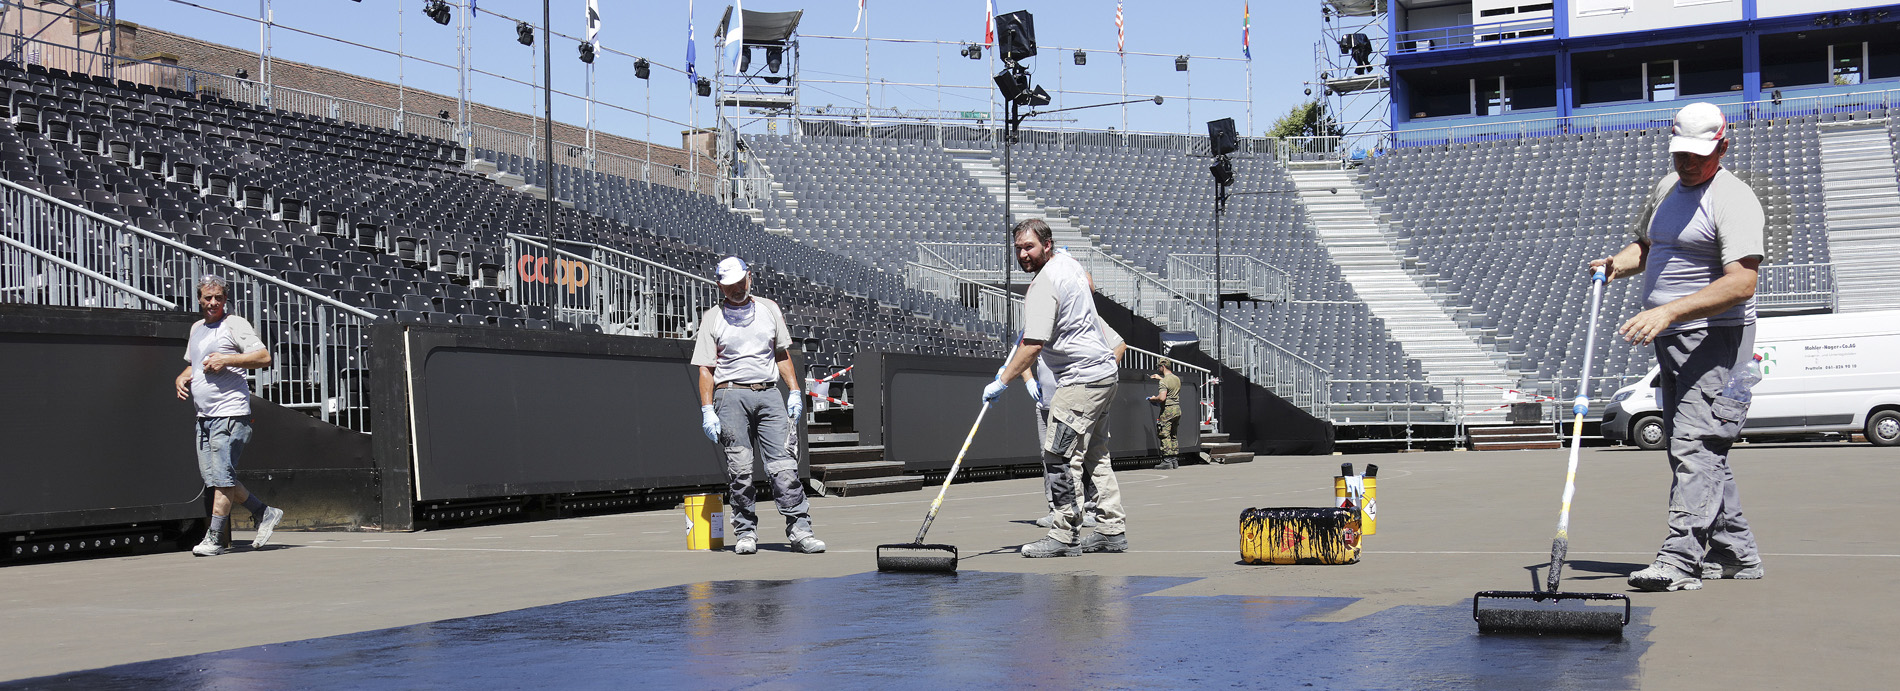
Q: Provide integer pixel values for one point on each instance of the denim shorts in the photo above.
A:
(220, 440)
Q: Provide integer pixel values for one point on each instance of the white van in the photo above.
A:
(1820, 373)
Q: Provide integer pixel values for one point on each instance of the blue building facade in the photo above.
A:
(1466, 63)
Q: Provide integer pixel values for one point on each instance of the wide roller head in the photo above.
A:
(1543, 613)
(917, 557)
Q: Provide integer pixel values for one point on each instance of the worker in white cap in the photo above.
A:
(1698, 245)
(743, 352)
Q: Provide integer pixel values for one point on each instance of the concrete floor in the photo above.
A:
(1450, 523)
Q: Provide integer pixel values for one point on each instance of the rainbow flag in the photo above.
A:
(1246, 29)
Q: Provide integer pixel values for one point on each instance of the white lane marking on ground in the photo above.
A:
(556, 551)
(378, 540)
(430, 539)
(866, 522)
(543, 536)
(597, 535)
(1173, 484)
(1136, 480)
(655, 532)
(488, 537)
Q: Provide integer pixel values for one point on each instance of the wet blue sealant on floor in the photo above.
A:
(875, 630)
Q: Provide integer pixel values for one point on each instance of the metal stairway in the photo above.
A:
(1862, 200)
(1357, 243)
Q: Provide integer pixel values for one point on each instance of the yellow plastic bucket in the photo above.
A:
(1299, 536)
(707, 516)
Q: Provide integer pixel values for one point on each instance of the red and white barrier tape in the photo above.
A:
(828, 399)
(834, 375)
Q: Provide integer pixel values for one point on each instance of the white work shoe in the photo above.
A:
(809, 544)
(1662, 578)
(211, 546)
(746, 545)
(266, 524)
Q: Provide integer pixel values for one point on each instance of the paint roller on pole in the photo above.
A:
(1556, 618)
(915, 555)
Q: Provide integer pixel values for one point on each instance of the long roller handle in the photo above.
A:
(932, 516)
(1560, 546)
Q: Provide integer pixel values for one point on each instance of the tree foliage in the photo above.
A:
(1308, 119)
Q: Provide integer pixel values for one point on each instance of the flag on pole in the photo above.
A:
(474, 11)
(854, 27)
(1246, 29)
(1120, 33)
(692, 74)
(593, 23)
(989, 22)
(735, 36)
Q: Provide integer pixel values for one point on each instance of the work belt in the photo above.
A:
(760, 386)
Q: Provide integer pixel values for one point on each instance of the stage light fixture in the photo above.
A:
(1016, 36)
(774, 58)
(973, 52)
(1223, 171)
(524, 34)
(641, 69)
(704, 86)
(1180, 63)
(243, 73)
(587, 52)
(745, 59)
(443, 114)
(1012, 84)
(1037, 97)
(1081, 58)
(438, 11)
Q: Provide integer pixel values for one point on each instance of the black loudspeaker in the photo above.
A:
(1222, 136)
(1016, 35)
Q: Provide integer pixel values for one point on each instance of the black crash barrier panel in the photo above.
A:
(920, 408)
(490, 412)
(94, 436)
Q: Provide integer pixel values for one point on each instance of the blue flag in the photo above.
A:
(692, 74)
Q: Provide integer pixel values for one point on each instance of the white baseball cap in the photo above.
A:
(731, 270)
(1699, 127)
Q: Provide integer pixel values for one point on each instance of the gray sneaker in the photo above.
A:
(266, 524)
(746, 545)
(1713, 571)
(1049, 547)
(1660, 578)
(809, 544)
(211, 546)
(1097, 542)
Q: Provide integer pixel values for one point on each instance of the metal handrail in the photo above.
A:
(188, 249)
(162, 303)
(1143, 277)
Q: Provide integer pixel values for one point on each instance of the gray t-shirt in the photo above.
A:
(1046, 378)
(741, 343)
(1059, 311)
(221, 394)
(1693, 232)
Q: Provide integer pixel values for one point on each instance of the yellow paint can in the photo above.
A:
(1364, 499)
(706, 516)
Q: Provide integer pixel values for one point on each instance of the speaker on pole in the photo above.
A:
(1222, 137)
(1016, 35)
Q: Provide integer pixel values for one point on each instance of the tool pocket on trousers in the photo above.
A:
(1726, 417)
(1065, 431)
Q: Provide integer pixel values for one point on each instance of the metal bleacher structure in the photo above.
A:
(121, 194)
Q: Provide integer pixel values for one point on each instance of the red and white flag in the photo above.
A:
(1120, 33)
(854, 27)
(989, 22)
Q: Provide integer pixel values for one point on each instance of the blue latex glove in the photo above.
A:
(709, 421)
(995, 389)
(795, 404)
(1035, 392)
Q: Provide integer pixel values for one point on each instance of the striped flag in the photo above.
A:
(1246, 29)
(989, 22)
(854, 27)
(735, 37)
(1120, 33)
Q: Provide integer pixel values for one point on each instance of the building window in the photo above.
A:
(1659, 80)
(1847, 63)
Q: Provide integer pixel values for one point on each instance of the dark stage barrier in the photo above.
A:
(95, 436)
(920, 408)
(508, 412)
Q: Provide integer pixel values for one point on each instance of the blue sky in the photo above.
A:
(1283, 35)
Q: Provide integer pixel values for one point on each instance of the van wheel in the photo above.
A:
(1647, 433)
(1883, 428)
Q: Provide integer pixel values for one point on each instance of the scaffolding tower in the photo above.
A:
(1350, 72)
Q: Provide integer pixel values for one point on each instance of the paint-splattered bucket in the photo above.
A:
(1299, 536)
(706, 519)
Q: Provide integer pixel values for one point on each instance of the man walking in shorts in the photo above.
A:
(221, 345)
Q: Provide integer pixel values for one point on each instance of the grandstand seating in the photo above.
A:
(388, 222)
(1148, 203)
(874, 198)
(1519, 274)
